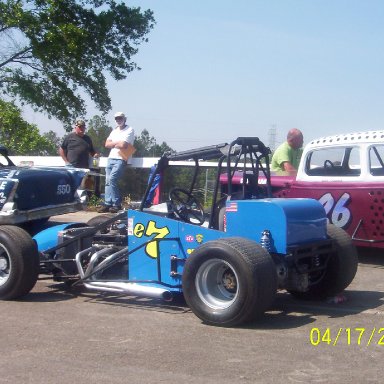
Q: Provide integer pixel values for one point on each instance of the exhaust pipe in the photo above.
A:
(130, 288)
(133, 289)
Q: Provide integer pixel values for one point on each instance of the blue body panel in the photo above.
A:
(48, 237)
(290, 221)
(179, 239)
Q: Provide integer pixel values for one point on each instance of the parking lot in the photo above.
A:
(55, 335)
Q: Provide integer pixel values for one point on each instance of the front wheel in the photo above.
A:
(19, 262)
(230, 281)
(340, 270)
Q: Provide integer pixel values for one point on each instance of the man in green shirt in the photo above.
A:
(286, 158)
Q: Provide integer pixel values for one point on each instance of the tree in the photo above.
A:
(52, 137)
(99, 130)
(144, 143)
(52, 50)
(146, 146)
(20, 137)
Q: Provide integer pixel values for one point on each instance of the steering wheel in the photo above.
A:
(186, 206)
(328, 164)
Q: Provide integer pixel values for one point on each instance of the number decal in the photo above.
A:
(341, 215)
(63, 189)
(151, 248)
(160, 233)
(138, 231)
(327, 200)
(337, 212)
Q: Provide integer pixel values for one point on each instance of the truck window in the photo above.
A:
(336, 161)
(376, 160)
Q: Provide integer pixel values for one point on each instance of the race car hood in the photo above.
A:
(30, 188)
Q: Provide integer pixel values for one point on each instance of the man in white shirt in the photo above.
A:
(119, 140)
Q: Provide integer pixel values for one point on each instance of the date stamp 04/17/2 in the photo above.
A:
(350, 336)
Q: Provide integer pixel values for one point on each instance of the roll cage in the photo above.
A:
(247, 155)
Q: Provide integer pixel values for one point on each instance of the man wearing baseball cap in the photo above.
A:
(120, 141)
(77, 147)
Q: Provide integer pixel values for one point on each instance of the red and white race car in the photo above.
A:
(346, 174)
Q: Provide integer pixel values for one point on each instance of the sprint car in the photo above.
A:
(227, 260)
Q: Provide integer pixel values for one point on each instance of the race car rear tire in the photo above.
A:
(19, 262)
(230, 281)
(341, 268)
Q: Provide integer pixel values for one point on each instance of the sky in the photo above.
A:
(214, 70)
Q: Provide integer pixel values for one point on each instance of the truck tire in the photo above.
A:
(19, 262)
(341, 269)
(229, 281)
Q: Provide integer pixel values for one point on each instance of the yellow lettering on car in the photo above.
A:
(138, 231)
(151, 249)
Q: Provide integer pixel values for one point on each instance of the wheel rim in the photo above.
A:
(5, 266)
(217, 284)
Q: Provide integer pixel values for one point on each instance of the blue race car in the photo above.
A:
(227, 260)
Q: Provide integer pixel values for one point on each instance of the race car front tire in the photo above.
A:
(229, 281)
(19, 262)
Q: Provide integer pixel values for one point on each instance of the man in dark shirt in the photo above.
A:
(77, 147)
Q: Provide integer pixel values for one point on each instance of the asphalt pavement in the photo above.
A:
(56, 335)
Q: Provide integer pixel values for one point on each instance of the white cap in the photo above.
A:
(119, 114)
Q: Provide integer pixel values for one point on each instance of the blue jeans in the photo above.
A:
(113, 171)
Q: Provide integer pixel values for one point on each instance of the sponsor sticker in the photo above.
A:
(130, 226)
(199, 238)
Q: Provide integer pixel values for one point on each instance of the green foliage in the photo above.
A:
(20, 137)
(99, 130)
(134, 182)
(94, 201)
(52, 50)
(146, 146)
(55, 140)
